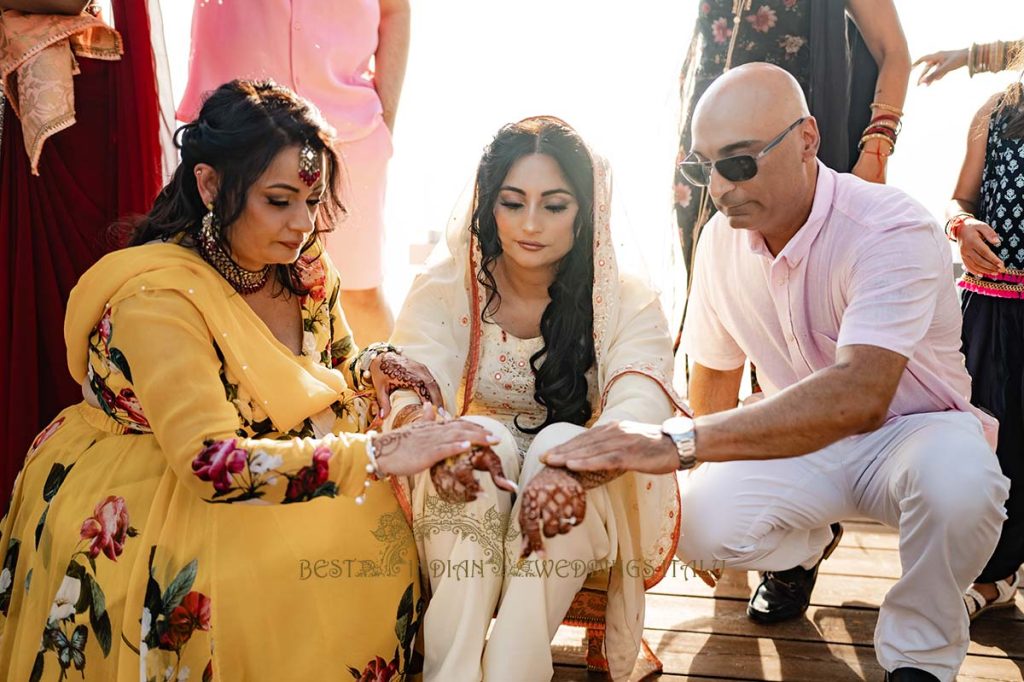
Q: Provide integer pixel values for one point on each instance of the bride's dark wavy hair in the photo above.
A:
(567, 325)
(241, 127)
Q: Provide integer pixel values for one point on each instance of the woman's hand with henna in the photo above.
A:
(417, 447)
(390, 372)
(553, 502)
(454, 478)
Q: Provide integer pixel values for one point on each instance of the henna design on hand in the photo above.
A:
(553, 503)
(402, 377)
(385, 444)
(594, 479)
(409, 414)
(454, 478)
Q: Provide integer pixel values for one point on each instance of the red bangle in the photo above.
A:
(888, 132)
(886, 117)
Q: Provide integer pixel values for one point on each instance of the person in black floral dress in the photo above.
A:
(815, 42)
(986, 219)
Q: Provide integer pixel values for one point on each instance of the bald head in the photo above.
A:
(754, 98)
(744, 112)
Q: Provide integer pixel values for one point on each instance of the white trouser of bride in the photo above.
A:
(470, 552)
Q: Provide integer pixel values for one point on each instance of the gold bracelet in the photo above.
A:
(971, 54)
(878, 136)
(894, 126)
(887, 107)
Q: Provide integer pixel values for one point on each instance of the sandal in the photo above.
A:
(1007, 591)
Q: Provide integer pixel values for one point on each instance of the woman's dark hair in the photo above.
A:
(567, 324)
(1011, 106)
(242, 126)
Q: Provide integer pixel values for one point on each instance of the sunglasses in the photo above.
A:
(733, 168)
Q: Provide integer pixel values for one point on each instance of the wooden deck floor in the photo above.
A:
(703, 634)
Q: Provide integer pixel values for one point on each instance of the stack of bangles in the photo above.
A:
(885, 126)
(955, 224)
(992, 57)
(372, 472)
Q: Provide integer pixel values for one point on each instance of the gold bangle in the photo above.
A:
(894, 126)
(877, 136)
(887, 107)
(971, 54)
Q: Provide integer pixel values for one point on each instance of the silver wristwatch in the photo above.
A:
(680, 431)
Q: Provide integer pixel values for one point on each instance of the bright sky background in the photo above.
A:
(611, 68)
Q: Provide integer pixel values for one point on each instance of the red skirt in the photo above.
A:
(54, 226)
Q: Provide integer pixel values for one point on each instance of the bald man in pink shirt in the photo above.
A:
(841, 293)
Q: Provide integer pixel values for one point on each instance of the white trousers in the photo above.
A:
(932, 476)
(470, 552)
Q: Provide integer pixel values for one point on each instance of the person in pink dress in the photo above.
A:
(349, 59)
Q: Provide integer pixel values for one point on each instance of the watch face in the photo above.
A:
(677, 426)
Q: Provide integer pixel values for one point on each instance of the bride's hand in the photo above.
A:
(390, 372)
(455, 480)
(554, 501)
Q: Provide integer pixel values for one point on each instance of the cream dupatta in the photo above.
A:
(440, 326)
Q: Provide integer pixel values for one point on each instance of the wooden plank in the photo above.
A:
(766, 659)
(869, 535)
(828, 624)
(831, 590)
(778, 653)
(564, 673)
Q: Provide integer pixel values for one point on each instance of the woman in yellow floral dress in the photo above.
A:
(210, 511)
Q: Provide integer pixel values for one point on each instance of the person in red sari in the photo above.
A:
(80, 150)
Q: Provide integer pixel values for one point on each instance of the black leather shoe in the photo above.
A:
(909, 675)
(783, 595)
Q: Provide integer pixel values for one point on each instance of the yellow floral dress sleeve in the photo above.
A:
(357, 410)
(164, 364)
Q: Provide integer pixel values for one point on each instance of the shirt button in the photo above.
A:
(298, 27)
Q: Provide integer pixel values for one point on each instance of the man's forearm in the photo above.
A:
(805, 417)
(390, 59)
(714, 390)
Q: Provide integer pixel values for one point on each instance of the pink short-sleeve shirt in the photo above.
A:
(321, 50)
(870, 266)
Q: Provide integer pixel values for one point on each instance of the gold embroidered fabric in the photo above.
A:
(505, 385)
(37, 65)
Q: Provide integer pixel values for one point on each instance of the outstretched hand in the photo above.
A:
(938, 64)
(419, 446)
(617, 447)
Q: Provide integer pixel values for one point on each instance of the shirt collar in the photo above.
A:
(800, 244)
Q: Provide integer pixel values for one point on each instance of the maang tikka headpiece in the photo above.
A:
(309, 164)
